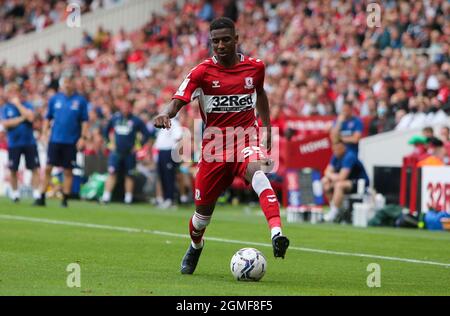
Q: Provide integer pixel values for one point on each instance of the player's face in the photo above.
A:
(69, 86)
(224, 43)
(125, 108)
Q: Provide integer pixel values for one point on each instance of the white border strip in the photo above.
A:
(229, 241)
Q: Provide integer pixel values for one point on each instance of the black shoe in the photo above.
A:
(39, 202)
(16, 200)
(64, 203)
(280, 245)
(190, 260)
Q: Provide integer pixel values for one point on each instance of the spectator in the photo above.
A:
(125, 127)
(437, 154)
(383, 122)
(348, 128)
(18, 117)
(166, 140)
(67, 110)
(428, 132)
(341, 176)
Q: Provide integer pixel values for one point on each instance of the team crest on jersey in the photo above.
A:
(9, 113)
(58, 105)
(249, 83)
(75, 105)
(216, 84)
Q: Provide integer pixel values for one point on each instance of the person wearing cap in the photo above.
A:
(67, 121)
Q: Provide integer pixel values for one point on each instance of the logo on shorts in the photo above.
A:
(197, 195)
(249, 83)
(216, 84)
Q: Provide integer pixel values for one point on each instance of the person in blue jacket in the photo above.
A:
(342, 176)
(17, 118)
(125, 126)
(67, 117)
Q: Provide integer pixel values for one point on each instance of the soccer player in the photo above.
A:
(126, 126)
(18, 119)
(229, 86)
(341, 176)
(67, 114)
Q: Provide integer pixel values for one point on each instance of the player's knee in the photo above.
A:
(200, 221)
(260, 183)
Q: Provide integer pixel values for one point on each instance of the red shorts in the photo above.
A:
(214, 177)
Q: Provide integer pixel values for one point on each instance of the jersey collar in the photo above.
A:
(216, 61)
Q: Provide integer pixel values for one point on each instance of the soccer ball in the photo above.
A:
(248, 264)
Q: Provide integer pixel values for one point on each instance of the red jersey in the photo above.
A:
(227, 96)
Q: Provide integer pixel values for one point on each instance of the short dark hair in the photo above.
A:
(435, 142)
(222, 23)
(428, 129)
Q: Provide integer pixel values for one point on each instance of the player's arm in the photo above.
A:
(329, 172)
(336, 129)
(353, 139)
(27, 113)
(343, 174)
(357, 134)
(11, 123)
(84, 126)
(144, 132)
(162, 120)
(182, 97)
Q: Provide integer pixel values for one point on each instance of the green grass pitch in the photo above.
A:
(136, 250)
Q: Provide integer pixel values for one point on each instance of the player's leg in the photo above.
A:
(327, 187)
(339, 189)
(197, 226)
(13, 162)
(68, 163)
(130, 166)
(129, 187)
(269, 204)
(113, 164)
(32, 163)
(210, 181)
(53, 156)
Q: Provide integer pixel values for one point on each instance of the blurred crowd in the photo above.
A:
(318, 55)
(24, 16)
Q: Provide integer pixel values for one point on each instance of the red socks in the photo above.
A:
(269, 204)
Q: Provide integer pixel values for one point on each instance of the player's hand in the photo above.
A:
(341, 118)
(16, 101)
(162, 121)
(81, 144)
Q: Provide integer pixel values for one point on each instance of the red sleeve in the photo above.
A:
(261, 75)
(189, 84)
